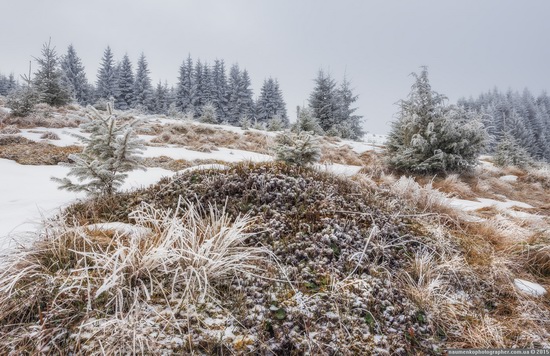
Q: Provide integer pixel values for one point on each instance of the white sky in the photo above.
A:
(470, 46)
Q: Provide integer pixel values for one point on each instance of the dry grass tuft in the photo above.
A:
(205, 138)
(340, 155)
(98, 285)
(48, 135)
(425, 198)
(453, 185)
(27, 152)
(176, 164)
(10, 130)
(536, 254)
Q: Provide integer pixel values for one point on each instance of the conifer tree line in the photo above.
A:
(516, 122)
(61, 79)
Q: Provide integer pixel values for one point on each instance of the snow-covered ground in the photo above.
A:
(222, 154)
(28, 194)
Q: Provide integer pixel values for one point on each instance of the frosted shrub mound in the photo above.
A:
(298, 149)
(73, 277)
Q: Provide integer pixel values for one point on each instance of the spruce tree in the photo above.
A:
(220, 91)
(430, 136)
(280, 104)
(3, 85)
(208, 92)
(306, 122)
(125, 85)
(270, 103)
(198, 89)
(184, 96)
(323, 101)
(234, 99)
(12, 84)
(348, 124)
(48, 79)
(109, 153)
(161, 98)
(300, 149)
(143, 90)
(74, 77)
(246, 96)
(106, 78)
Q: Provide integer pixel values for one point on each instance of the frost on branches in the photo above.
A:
(430, 136)
(111, 151)
(299, 149)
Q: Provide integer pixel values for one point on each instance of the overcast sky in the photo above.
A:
(470, 46)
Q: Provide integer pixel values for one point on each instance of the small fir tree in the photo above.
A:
(110, 153)
(300, 149)
(306, 122)
(510, 153)
(209, 115)
(245, 122)
(22, 100)
(275, 124)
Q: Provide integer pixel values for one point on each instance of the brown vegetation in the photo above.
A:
(28, 152)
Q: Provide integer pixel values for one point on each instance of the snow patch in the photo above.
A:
(121, 228)
(29, 195)
(202, 167)
(530, 288)
(470, 205)
(222, 154)
(339, 169)
(509, 178)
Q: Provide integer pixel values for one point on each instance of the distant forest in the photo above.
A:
(517, 121)
(202, 90)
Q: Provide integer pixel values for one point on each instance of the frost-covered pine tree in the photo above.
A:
(348, 124)
(48, 78)
(208, 115)
(12, 83)
(234, 87)
(184, 97)
(430, 136)
(510, 153)
(270, 103)
(219, 83)
(143, 90)
(22, 100)
(306, 122)
(161, 100)
(208, 92)
(246, 95)
(109, 153)
(198, 88)
(74, 77)
(300, 149)
(3, 85)
(124, 98)
(323, 101)
(106, 85)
